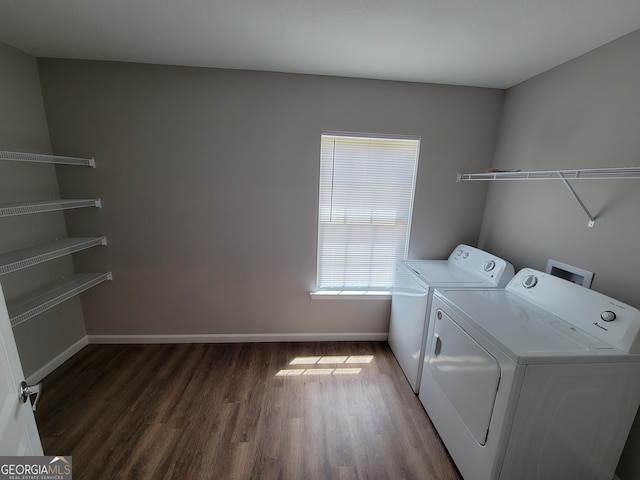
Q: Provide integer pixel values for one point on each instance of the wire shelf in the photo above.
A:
(562, 175)
(577, 174)
(44, 158)
(27, 257)
(26, 208)
(27, 306)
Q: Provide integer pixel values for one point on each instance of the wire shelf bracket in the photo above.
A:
(592, 219)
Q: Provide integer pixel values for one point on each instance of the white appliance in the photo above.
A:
(537, 381)
(413, 287)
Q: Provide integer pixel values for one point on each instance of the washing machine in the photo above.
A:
(414, 283)
(536, 381)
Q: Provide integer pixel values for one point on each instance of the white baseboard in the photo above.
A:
(238, 338)
(50, 366)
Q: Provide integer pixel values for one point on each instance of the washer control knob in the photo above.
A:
(490, 265)
(458, 252)
(529, 281)
(608, 316)
(439, 314)
(465, 254)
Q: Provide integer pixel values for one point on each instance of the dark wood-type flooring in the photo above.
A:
(239, 411)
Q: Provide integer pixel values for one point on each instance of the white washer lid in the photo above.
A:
(442, 273)
(525, 332)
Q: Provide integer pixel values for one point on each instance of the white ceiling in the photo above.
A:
(490, 43)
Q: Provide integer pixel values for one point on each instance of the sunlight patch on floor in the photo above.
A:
(313, 363)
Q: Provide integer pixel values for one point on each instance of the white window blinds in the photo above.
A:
(367, 186)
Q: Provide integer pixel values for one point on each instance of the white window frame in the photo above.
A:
(358, 199)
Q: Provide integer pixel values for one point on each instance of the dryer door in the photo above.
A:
(466, 373)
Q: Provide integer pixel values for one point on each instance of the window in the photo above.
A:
(367, 185)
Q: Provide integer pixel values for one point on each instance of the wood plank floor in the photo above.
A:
(239, 411)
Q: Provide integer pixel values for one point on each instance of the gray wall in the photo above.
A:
(582, 114)
(23, 127)
(210, 182)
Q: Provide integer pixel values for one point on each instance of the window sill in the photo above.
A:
(350, 295)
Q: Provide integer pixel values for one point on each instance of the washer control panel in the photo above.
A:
(614, 323)
(490, 267)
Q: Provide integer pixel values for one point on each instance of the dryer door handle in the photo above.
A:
(438, 345)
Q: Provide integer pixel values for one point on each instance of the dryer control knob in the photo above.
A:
(608, 316)
(465, 255)
(529, 281)
(458, 252)
(490, 265)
